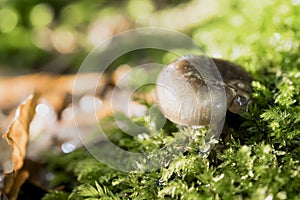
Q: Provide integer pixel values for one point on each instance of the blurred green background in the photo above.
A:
(56, 35)
(261, 35)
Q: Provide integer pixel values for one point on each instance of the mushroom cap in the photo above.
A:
(190, 91)
(197, 90)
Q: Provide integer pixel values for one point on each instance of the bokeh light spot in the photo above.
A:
(40, 38)
(64, 41)
(68, 147)
(42, 109)
(90, 103)
(74, 14)
(140, 9)
(41, 15)
(8, 20)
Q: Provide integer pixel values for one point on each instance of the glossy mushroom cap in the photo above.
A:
(190, 91)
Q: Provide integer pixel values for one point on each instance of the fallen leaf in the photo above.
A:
(19, 180)
(55, 88)
(7, 183)
(18, 133)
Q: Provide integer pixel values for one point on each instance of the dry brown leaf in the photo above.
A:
(19, 180)
(18, 133)
(53, 87)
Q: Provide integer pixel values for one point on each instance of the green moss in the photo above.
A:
(56, 195)
(257, 160)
